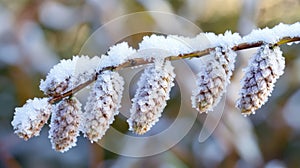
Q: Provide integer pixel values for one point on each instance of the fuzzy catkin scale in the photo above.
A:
(153, 91)
(264, 68)
(213, 78)
(103, 104)
(64, 126)
(29, 119)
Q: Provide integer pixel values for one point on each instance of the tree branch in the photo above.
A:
(141, 61)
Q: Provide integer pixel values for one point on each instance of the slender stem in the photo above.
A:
(140, 61)
(71, 92)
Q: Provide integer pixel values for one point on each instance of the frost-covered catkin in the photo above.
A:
(68, 74)
(264, 68)
(103, 104)
(213, 78)
(29, 119)
(64, 126)
(153, 91)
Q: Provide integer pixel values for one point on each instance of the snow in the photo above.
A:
(273, 35)
(68, 74)
(227, 39)
(116, 55)
(158, 46)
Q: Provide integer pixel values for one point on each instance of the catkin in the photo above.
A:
(212, 79)
(150, 99)
(29, 119)
(64, 126)
(103, 104)
(68, 74)
(264, 68)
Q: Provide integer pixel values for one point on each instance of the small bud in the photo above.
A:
(102, 105)
(212, 79)
(151, 97)
(29, 119)
(264, 68)
(64, 127)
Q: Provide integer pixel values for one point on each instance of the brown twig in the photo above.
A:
(140, 61)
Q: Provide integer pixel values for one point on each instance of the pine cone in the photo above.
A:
(29, 119)
(102, 105)
(264, 68)
(213, 78)
(64, 127)
(153, 91)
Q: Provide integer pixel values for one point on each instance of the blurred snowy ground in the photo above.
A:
(35, 35)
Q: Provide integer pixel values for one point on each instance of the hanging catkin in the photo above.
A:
(64, 126)
(29, 119)
(151, 97)
(264, 68)
(212, 79)
(102, 105)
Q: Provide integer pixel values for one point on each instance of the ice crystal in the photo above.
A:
(227, 39)
(273, 35)
(117, 55)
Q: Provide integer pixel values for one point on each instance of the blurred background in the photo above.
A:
(35, 35)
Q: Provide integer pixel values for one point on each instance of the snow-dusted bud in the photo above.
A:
(103, 104)
(264, 68)
(151, 97)
(213, 78)
(29, 119)
(69, 74)
(64, 126)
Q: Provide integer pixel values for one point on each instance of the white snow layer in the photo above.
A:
(273, 35)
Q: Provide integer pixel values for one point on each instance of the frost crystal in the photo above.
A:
(29, 119)
(264, 68)
(117, 55)
(170, 45)
(103, 104)
(227, 39)
(64, 127)
(150, 99)
(273, 35)
(213, 78)
(69, 74)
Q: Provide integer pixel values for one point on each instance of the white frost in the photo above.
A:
(68, 74)
(273, 35)
(117, 55)
(102, 105)
(29, 119)
(161, 46)
(151, 97)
